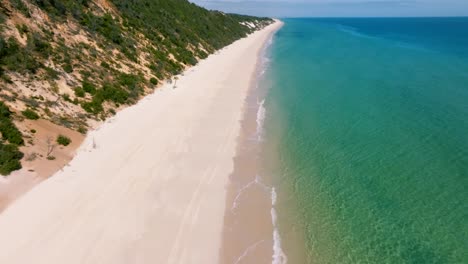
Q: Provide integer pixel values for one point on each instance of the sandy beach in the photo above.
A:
(148, 186)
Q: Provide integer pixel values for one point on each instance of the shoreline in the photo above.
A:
(154, 189)
(250, 233)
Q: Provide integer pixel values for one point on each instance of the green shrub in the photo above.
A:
(79, 92)
(132, 83)
(82, 129)
(112, 93)
(66, 97)
(110, 29)
(105, 65)
(20, 6)
(16, 58)
(93, 107)
(30, 114)
(88, 87)
(10, 158)
(86, 74)
(10, 132)
(68, 68)
(22, 29)
(37, 43)
(51, 73)
(7, 128)
(59, 9)
(202, 54)
(154, 81)
(63, 140)
(2, 17)
(5, 77)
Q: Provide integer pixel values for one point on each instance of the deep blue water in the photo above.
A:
(366, 137)
(447, 35)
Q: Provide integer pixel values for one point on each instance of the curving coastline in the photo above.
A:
(150, 183)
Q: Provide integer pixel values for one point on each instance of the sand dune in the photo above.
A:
(149, 185)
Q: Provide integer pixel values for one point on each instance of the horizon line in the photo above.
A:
(289, 17)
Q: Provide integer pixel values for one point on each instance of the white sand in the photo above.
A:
(152, 189)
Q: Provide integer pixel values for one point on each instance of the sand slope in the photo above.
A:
(149, 185)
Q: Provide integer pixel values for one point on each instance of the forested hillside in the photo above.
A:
(76, 62)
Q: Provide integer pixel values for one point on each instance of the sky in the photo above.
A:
(339, 8)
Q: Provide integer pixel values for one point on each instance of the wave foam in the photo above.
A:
(261, 113)
(278, 257)
(273, 196)
(278, 254)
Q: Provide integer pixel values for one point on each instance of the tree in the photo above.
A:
(50, 146)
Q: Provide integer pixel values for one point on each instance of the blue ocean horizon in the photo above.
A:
(368, 120)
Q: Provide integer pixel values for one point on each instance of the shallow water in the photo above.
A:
(366, 138)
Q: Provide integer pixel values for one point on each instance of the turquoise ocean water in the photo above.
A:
(366, 139)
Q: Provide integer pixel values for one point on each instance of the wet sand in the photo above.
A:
(248, 225)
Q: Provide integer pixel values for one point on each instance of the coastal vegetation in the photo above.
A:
(63, 140)
(30, 114)
(10, 155)
(74, 62)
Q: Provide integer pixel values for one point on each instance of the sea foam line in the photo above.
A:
(278, 254)
(261, 113)
(278, 257)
